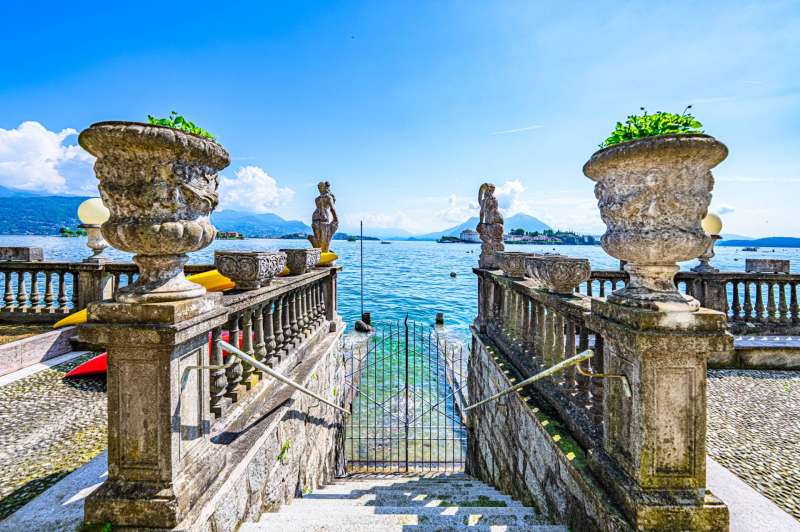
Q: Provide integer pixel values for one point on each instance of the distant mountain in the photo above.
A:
(518, 221)
(768, 242)
(732, 236)
(37, 215)
(257, 225)
(6, 192)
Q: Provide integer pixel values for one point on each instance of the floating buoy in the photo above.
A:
(440, 318)
(452, 274)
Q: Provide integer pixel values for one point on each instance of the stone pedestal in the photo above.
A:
(330, 298)
(655, 440)
(711, 292)
(94, 284)
(158, 409)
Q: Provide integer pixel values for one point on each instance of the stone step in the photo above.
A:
(409, 487)
(395, 516)
(392, 499)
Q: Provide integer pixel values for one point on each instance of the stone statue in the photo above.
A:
(490, 227)
(324, 221)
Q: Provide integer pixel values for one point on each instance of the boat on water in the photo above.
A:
(749, 249)
(385, 242)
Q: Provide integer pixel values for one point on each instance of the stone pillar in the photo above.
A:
(656, 437)
(94, 284)
(329, 294)
(711, 292)
(158, 409)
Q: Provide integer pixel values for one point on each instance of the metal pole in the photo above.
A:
(405, 327)
(362, 268)
(272, 373)
(577, 359)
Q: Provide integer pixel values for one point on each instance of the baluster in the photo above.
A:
(270, 341)
(62, 292)
(783, 308)
(287, 324)
(36, 297)
(117, 282)
(602, 288)
(525, 335)
(304, 295)
(294, 328)
(541, 333)
(75, 290)
(8, 297)
(22, 292)
(569, 351)
(277, 325)
(235, 370)
(772, 308)
(317, 308)
(737, 306)
(589, 287)
(323, 309)
(558, 347)
(760, 309)
(49, 296)
(596, 385)
(549, 329)
(218, 380)
(793, 304)
(748, 303)
(260, 352)
(247, 346)
(583, 394)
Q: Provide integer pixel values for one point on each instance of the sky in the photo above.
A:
(406, 107)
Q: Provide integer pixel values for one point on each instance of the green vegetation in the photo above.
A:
(656, 124)
(549, 236)
(449, 239)
(284, 450)
(67, 232)
(176, 121)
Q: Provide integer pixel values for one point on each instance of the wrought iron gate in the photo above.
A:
(407, 385)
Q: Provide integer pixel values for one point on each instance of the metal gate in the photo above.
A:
(408, 387)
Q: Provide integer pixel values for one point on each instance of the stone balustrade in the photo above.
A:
(190, 424)
(752, 302)
(43, 292)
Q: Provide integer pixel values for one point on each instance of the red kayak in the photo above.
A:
(99, 365)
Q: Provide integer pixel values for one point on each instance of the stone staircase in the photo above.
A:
(397, 502)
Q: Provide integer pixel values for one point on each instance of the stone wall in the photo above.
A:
(285, 448)
(35, 349)
(517, 447)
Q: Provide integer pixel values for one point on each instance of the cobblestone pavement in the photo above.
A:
(754, 430)
(48, 428)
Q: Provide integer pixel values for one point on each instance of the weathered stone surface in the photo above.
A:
(160, 185)
(324, 220)
(558, 274)
(300, 261)
(21, 253)
(32, 350)
(653, 194)
(766, 266)
(490, 227)
(249, 269)
(512, 262)
(513, 446)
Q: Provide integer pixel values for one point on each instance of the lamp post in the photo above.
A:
(92, 214)
(712, 225)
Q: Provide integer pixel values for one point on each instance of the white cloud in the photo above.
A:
(252, 190)
(517, 130)
(457, 210)
(725, 209)
(35, 158)
(510, 197)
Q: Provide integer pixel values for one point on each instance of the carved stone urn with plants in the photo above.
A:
(653, 188)
(159, 182)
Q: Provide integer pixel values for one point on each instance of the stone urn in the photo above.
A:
(512, 262)
(160, 186)
(300, 261)
(250, 269)
(653, 193)
(557, 273)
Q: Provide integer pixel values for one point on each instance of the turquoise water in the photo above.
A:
(402, 277)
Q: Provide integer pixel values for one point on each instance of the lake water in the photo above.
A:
(402, 277)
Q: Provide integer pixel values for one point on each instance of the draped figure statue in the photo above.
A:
(324, 221)
(490, 227)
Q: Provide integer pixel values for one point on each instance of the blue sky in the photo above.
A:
(406, 107)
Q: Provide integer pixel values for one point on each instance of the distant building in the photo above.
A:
(468, 235)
